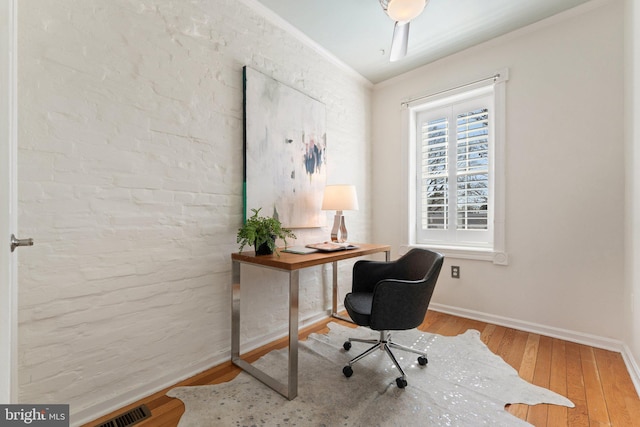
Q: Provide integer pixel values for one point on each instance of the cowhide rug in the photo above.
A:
(464, 384)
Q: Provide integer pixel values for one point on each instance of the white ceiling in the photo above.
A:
(358, 32)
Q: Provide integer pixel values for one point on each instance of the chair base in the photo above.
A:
(383, 343)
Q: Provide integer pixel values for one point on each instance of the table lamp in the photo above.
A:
(339, 198)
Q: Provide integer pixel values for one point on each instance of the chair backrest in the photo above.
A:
(418, 264)
(401, 299)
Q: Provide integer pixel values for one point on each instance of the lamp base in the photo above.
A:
(339, 230)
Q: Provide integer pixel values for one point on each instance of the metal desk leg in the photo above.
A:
(235, 311)
(334, 303)
(294, 286)
(290, 390)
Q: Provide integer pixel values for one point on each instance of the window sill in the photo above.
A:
(463, 252)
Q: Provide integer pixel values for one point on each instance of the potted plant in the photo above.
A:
(262, 232)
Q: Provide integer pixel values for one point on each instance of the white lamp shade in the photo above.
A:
(405, 10)
(340, 198)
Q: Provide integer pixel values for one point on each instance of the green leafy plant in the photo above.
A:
(259, 230)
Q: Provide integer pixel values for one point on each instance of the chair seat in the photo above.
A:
(358, 305)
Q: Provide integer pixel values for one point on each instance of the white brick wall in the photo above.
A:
(130, 178)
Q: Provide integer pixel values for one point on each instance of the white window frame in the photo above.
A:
(493, 247)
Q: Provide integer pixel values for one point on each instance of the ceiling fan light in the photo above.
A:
(405, 10)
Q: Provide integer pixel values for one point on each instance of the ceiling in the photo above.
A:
(358, 32)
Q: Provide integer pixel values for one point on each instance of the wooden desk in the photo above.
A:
(291, 263)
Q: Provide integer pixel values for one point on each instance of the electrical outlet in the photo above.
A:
(455, 271)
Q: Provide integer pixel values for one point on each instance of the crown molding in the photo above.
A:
(278, 21)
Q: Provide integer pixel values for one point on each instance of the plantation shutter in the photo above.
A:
(453, 188)
(435, 170)
(472, 169)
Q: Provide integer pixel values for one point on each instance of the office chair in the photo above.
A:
(388, 296)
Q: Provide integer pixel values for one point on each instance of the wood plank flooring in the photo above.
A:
(595, 380)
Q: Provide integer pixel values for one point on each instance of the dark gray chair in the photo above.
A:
(392, 296)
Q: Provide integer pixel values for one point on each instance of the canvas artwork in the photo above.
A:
(285, 151)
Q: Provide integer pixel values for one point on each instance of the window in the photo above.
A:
(455, 164)
(453, 191)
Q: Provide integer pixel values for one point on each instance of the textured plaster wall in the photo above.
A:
(130, 182)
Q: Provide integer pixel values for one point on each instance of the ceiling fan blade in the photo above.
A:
(400, 41)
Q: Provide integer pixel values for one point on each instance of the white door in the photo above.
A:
(8, 202)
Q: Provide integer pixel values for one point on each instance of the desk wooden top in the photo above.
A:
(290, 261)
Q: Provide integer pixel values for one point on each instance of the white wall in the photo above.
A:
(8, 201)
(130, 182)
(632, 248)
(564, 172)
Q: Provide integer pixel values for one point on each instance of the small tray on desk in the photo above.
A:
(300, 250)
(331, 246)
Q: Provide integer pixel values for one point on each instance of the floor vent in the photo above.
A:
(129, 418)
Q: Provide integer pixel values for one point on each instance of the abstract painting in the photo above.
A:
(284, 151)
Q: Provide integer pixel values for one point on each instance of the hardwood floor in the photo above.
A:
(595, 380)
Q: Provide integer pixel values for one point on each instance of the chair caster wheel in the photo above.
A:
(401, 382)
(347, 345)
(422, 360)
(347, 371)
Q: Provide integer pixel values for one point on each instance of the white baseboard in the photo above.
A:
(550, 331)
(632, 367)
(564, 334)
(94, 412)
(281, 332)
